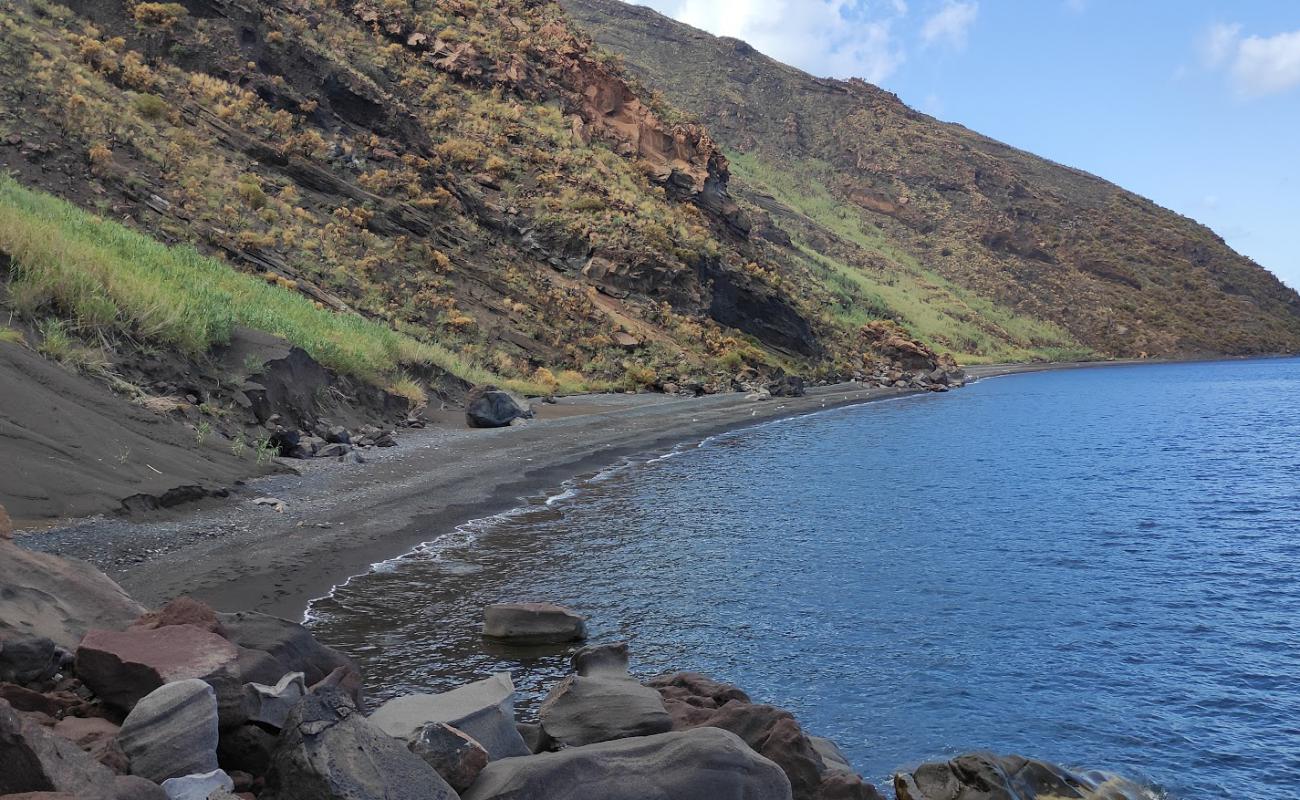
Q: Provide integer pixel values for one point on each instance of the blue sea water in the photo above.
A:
(1096, 567)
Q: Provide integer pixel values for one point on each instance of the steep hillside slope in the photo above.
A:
(473, 174)
(933, 219)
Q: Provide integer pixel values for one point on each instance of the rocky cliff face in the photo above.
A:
(893, 195)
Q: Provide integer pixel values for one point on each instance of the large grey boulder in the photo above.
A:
(58, 598)
(703, 764)
(485, 710)
(601, 701)
(533, 624)
(984, 776)
(172, 732)
(328, 751)
(290, 646)
(489, 407)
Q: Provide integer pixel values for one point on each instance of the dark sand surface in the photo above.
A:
(340, 519)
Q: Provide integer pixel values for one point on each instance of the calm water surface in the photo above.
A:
(1095, 567)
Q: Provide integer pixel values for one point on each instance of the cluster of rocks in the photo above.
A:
(939, 379)
(102, 700)
(324, 440)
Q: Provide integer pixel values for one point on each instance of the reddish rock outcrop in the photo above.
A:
(695, 701)
(123, 667)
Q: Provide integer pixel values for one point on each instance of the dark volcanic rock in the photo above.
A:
(533, 623)
(983, 776)
(489, 407)
(704, 764)
(28, 659)
(453, 754)
(292, 648)
(328, 751)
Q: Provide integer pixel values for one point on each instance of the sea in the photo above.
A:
(1096, 567)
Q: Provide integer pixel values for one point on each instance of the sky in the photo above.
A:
(1194, 104)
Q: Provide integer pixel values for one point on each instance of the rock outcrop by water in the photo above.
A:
(198, 722)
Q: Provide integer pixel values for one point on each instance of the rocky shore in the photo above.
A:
(103, 699)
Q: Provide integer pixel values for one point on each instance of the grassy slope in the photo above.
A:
(104, 277)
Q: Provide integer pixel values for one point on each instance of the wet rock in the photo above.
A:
(489, 407)
(703, 764)
(57, 598)
(270, 705)
(453, 754)
(533, 623)
(329, 751)
(199, 786)
(695, 701)
(172, 732)
(28, 659)
(485, 710)
(292, 648)
(984, 776)
(122, 667)
(601, 701)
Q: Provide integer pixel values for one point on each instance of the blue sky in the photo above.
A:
(1192, 103)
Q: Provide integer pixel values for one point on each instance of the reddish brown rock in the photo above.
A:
(55, 704)
(183, 610)
(123, 667)
(696, 701)
(95, 736)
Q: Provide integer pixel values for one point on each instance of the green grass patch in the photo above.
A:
(106, 277)
(930, 306)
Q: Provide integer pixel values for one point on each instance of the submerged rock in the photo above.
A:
(984, 776)
(533, 623)
(485, 710)
(328, 751)
(601, 701)
(703, 764)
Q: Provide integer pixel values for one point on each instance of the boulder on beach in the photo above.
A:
(703, 764)
(329, 751)
(489, 407)
(291, 647)
(57, 598)
(601, 701)
(533, 624)
(270, 705)
(984, 776)
(485, 710)
(695, 701)
(452, 753)
(172, 731)
(121, 667)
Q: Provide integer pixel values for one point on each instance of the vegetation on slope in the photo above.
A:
(990, 251)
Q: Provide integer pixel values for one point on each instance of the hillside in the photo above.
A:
(933, 219)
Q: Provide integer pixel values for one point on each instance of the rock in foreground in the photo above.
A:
(533, 624)
(983, 776)
(601, 701)
(704, 764)
(172, 732)
(485, 710)
(328, 751)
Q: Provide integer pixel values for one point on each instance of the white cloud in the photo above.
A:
(1257, 65)
(836, 38)
(950, 25)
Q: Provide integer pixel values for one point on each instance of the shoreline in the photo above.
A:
(338, 523)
